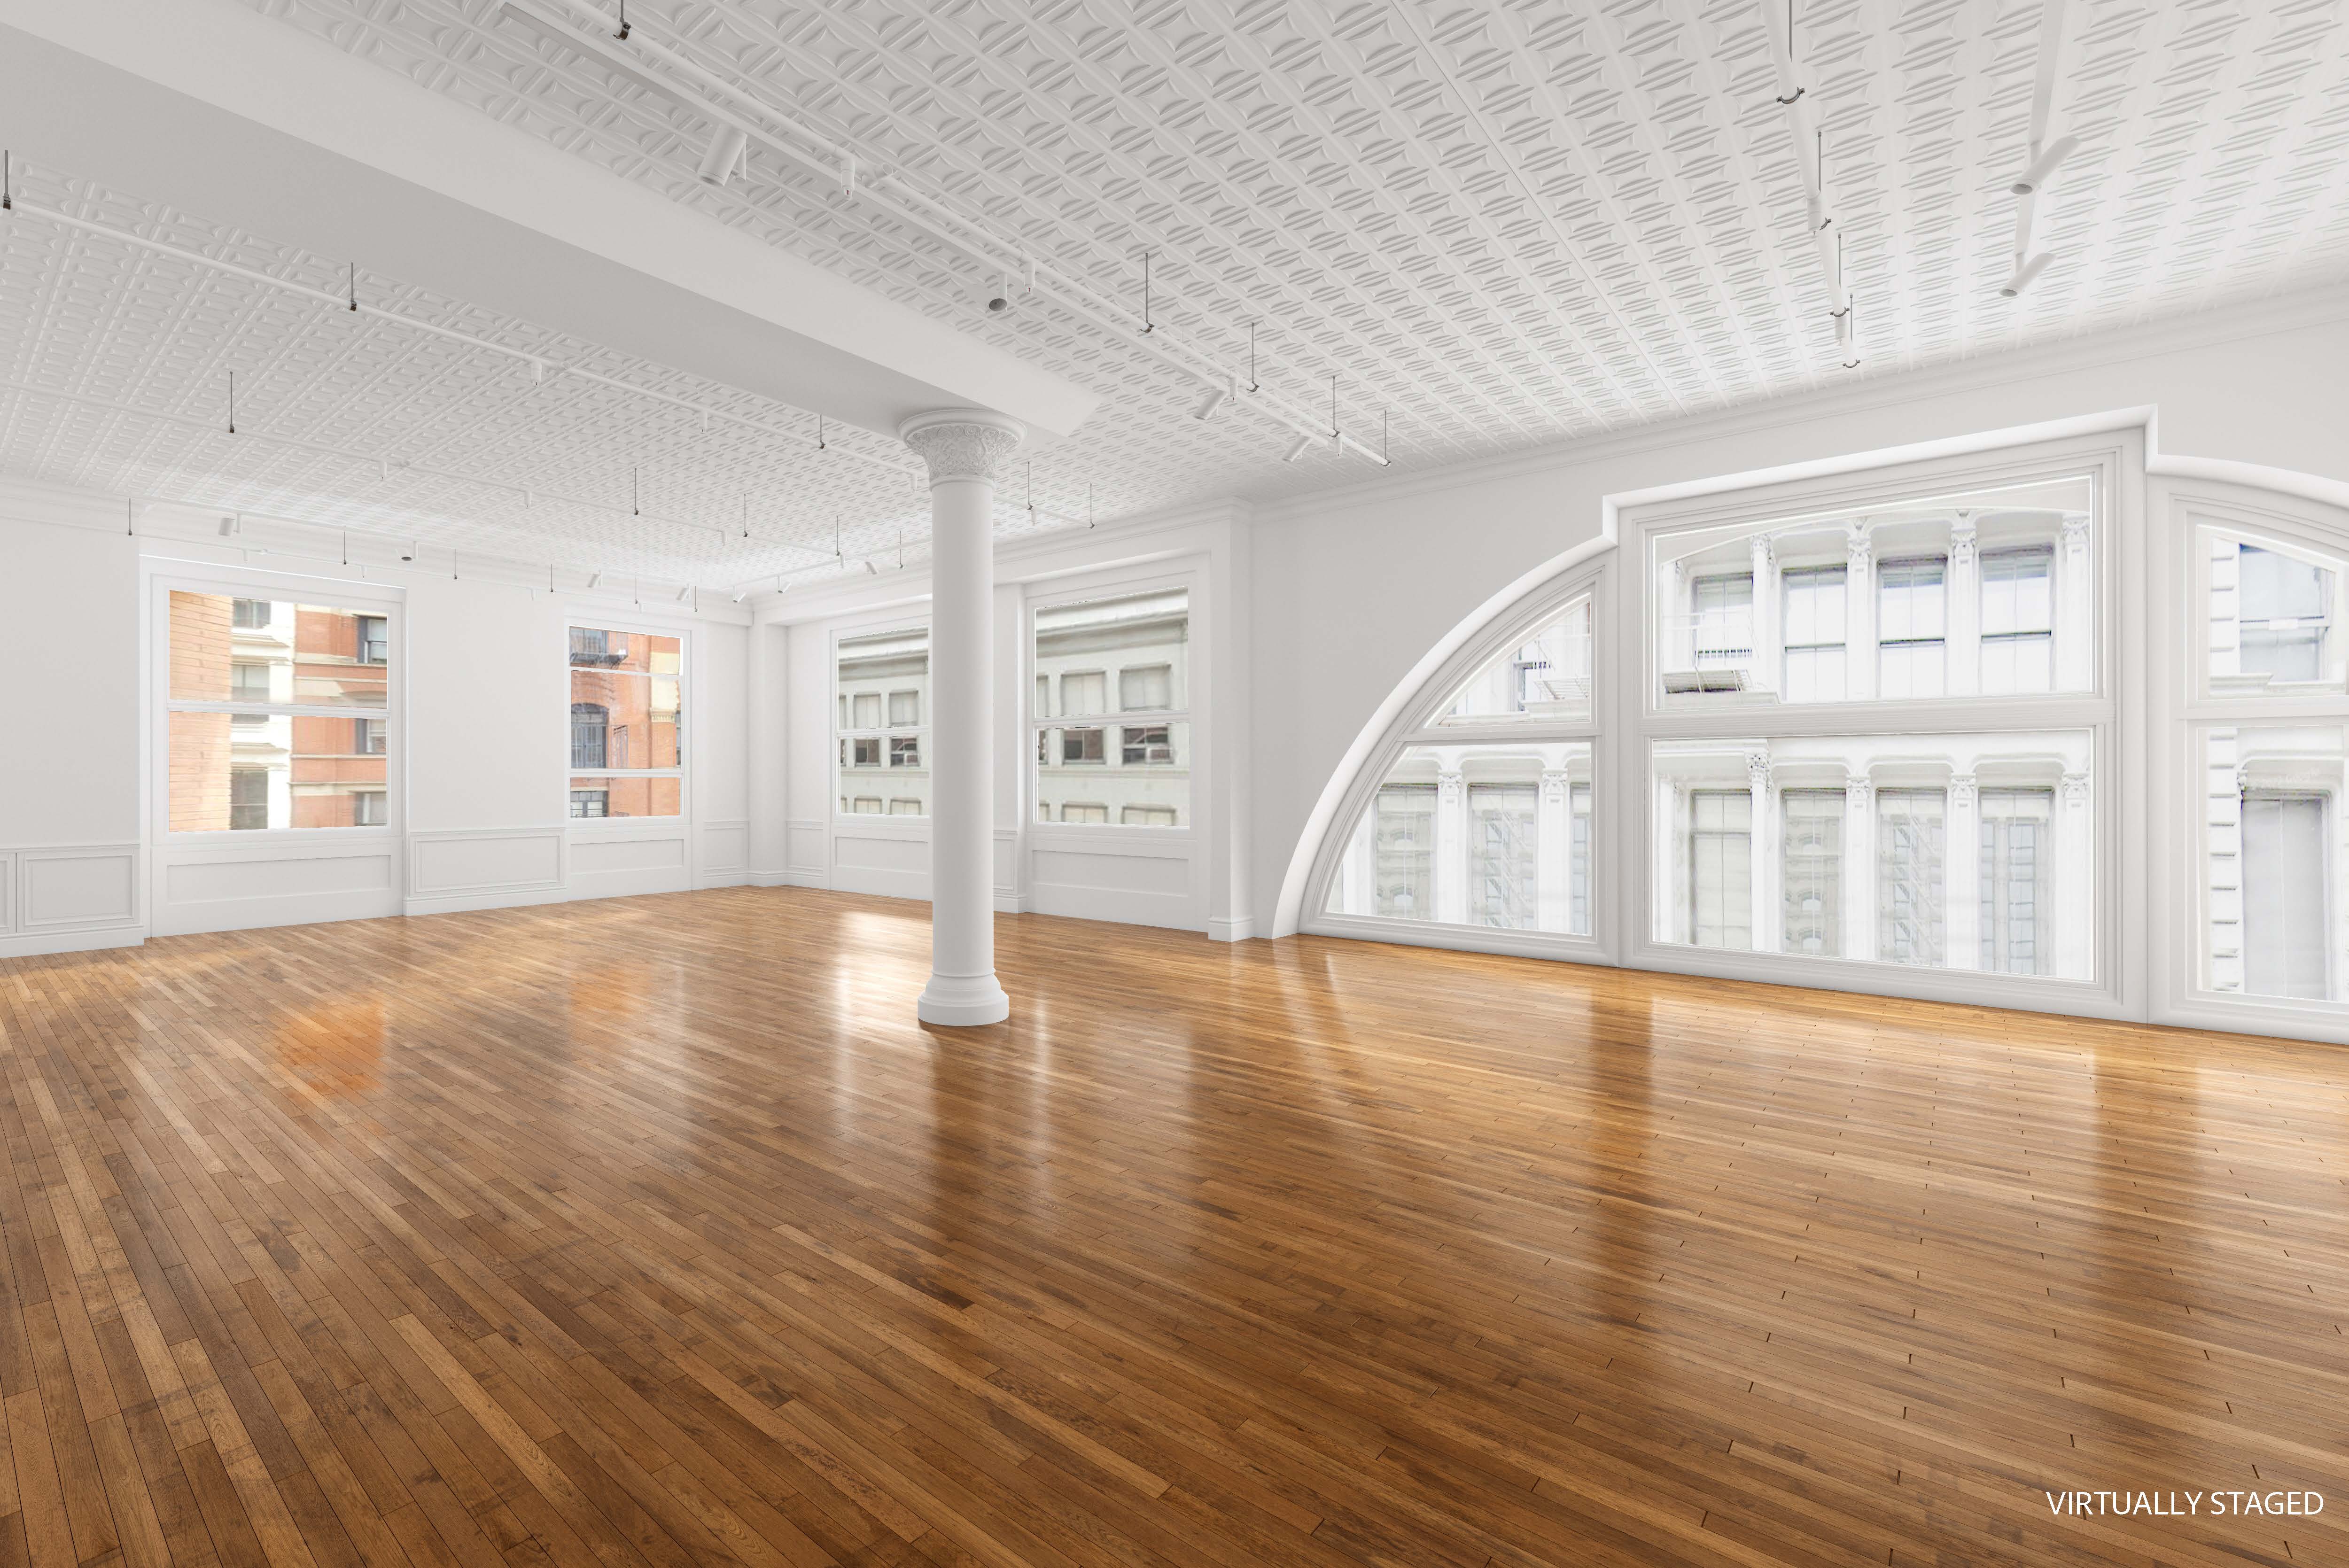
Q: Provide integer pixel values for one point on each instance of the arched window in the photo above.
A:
(1475, 817)
(590, 731)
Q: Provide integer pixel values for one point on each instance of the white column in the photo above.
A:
(2075, 892)
(1451, 843)
(1766, 669)
(1859, 617)
(1554, 846)
(1769, 901)
(1961, 873)
(962, 446)
(1962, 596)
(1859, 868)
(2076, 608)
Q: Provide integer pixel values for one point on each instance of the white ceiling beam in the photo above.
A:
(245, 120)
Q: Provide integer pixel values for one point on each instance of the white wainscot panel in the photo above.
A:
(893, 864)
(236, 887)
(75, 889)
(725, 853)
(484, 868)
(605, 864)
(64, 898)
(805, 861)
(1007, 871)
(1135, 883)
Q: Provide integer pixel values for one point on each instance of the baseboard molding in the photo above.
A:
(1006, 902)
(460, 903)
(1242, 929)
(738, 876)
(41, 946)
(801, 876)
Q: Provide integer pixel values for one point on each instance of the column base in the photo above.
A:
(961, 1001)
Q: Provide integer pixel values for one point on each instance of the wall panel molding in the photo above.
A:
(486, 868)
(66, 898)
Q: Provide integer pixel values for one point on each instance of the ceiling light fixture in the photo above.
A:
(594, 580)
(683, 591)
(2025, 272)
(2044, 165)
(1297, 448)
(724, 156)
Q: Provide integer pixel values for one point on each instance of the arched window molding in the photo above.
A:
(1413, 718)
(2251, 751)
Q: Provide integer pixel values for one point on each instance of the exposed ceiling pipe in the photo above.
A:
(538, 365)
(575, 26)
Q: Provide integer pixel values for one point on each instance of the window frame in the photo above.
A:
(244, 584)
(2110, 711)
(591, 618)
(852, 781)
(1113, 720)
(1424, 723)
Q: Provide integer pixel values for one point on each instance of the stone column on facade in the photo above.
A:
(1766, 875)
(1859, 616)
(2075, 607)
(1554, 845)
(1859, 868)
(1962, 603)
(1451, 843)
(1767, 671)
(962, 448)
(2075, 892)
(1961, 872)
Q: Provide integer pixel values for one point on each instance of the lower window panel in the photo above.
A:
(1950, 851)
(593, 797)
(2270, 863)
(246, 771)
(1128, 771)
(1488, 835)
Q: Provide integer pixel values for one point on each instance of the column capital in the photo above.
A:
(1859, 549)
(1963, 540)
(1962, 789)
(1859, 791)
(2075, 791)
(961, 443)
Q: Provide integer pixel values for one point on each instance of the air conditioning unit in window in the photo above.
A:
(1679, 682)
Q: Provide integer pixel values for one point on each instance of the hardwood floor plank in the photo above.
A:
(654, 1232)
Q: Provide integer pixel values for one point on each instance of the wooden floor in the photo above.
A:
(652, 1233)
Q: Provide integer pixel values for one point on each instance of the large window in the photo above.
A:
(277, 715)
(1484, 821)
(1110, 727)
(1978, 592)
(881, 721)
(627, 723)
(1942, 850)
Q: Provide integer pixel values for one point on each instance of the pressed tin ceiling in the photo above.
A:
(1497, 225)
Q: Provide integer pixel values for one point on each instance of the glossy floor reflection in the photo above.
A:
(654, 1232)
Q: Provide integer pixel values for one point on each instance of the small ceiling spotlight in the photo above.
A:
(1297, 448)
(227, 526)
(685, 593)
(724, 157)
(739, 597)
(2025, 272)
(2042, 168)
(1215, 399)
(594, 580)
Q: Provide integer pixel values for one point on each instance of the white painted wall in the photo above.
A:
(1352, 588)
(69, 732)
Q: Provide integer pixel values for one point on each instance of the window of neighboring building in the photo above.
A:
(1145, 686)
(2286, 906)
(273, 720)
(627, 721)
(2018, 620)
(1911, 904)
(1501, 884)
(1911, 618)
(882, 683)
(1403, 866)
(1133, 649)
(590, 803)
(1722, 631)
(1816, 622)
(1721, 868)
(2016, 866)
(1545, 678)
(1813, 895)
(1084, 811)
